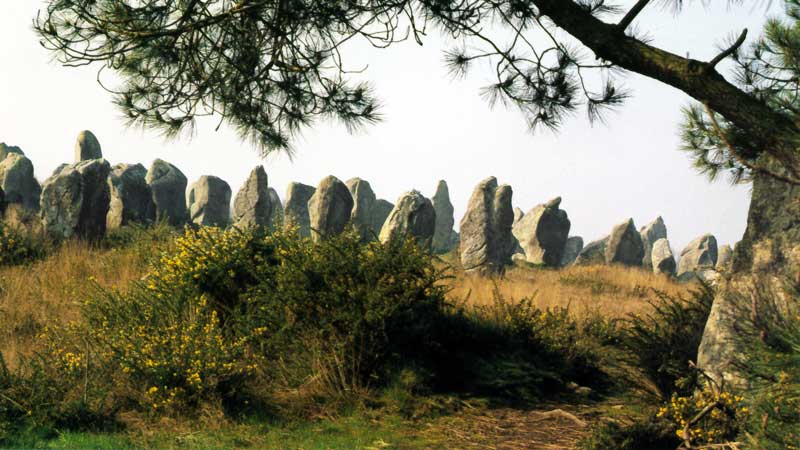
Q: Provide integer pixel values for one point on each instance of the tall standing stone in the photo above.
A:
(18, 182)
(329, 208)
(593, 254)
(75, 201)
(363, 205)
(380, 211)
(168, 185)
(572, 248)
(542, 233)
(131, 196)
(209, 201)
(486, 241)
(413, 215)
(443, 233)
(296, 209)
(276, 216)
(661, 258)
(697, 258)
(252, 206)
(87, 147)
(624, 245)
(518, 215)
(650, 233)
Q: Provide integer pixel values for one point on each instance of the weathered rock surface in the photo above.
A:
(209, 201)
(6, 150)
(18, 182)
(650, 233)
(296, 209)
(661, 258)
(594, 253)
(380, 211)
(443, 234)
(724, 258)
(168, 185)
(700, 255)
(87, 147)
(131, 196)
(252, 206)
(413, 215)
(329, 208)
(276, 217)
(75, 202)
(486, 241)
(518, 215)
(363, 205)
(624, 245)
(572, 249)
(542, 233)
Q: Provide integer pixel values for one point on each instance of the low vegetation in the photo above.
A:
(216, 339)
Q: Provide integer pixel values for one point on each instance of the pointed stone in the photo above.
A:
(413, 215)
(87, 147)
(252, 206)
(650, 233)
(443, 233)
(363, 204)
(276, 216)
(209, 201)
(572, 249)
(698, 257)
(168, 185)
(518, 215)
(542, 233)
(624, 245)
(662, 259)
(486, 241)
(296, 209)
(329, 208)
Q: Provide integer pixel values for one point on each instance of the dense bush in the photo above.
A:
(18, 245)
(650, 434)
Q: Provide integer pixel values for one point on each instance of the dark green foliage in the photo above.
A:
(650, 434)
(18, 245)
(661, 344)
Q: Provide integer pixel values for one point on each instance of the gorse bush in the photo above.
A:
(19, 245)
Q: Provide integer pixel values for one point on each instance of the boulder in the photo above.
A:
(209, 201)
(329, 208)
(661, 258)
(131, 197)
(594, 253)
(542, 233)
(518, 215)
(443, 232)
(486, 242)
(75, 202)
(413, 215)
(252, 206)
(363, 204)
(380, 211)
(6, 150)
(724, 258)
(572, 249)
(168, 185)
(699, 256)
(276, 217)
(18, 182)
(296, 209)
(624, 245)
(87, 147)
(650, 233)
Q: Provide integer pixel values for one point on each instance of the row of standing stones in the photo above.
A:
(89, 197)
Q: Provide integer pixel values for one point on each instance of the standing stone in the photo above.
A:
(650, 233)
(87, 147)
(75, 201)
(542, 233)
(594, 253)
(18, 182)
(443, 233)
(413, 215)
(209, 201)
(363, 204)
(252, 206)
(699, 257)
(380, 211)
(486, 241)
(572, 249)
(6, 150)
(276, 217)
(518, 215)
(296, 209)
(661, 258)
(329, 208)
(724, 258)
(625, 245)
(131, 196)
(169, 192)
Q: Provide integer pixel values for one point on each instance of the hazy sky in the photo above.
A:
(435, 128)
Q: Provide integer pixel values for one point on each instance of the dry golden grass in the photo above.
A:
(612, 291)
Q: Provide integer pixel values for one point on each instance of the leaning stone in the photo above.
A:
(252, 206)
(572, 248)
(363, 204)
(413, 215)
(329, 208)
(18, 182)
(87, 147)
(168, 184)
(486, 241)
(542, 233)
(650, 233)
(131, 196)
(594, 253)
(699, 255)
(624, 245)
(724, 258)
(296, 209)
(661, 258)
(443, 234)
(209, 201)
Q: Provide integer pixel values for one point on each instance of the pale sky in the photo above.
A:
(434, 128)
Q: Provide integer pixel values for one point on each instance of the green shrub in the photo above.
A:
(660, 344)
(20, 246)
(651, 434)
